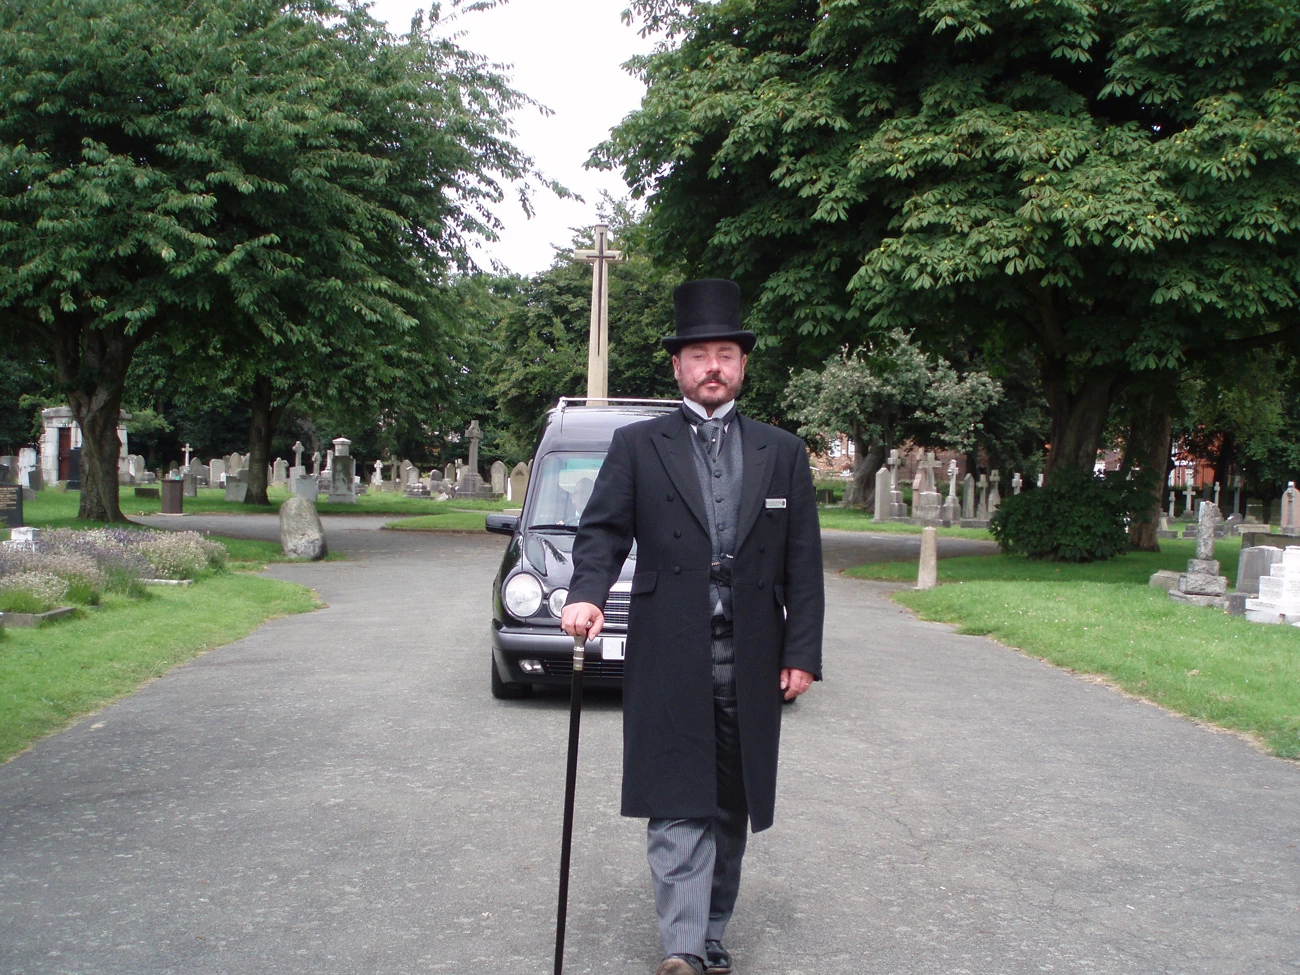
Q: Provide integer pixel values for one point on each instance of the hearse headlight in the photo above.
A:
(522, 595)
(556, 603)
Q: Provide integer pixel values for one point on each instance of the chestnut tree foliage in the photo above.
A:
(1112, 183)
(277, 186)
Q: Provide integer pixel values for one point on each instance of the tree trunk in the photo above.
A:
(1078, 415)
(867, 459)
(91, 365)
(264, 420)
(1146, 449)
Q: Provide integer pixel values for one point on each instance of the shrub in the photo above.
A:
(32, 592)
(180, 555)
(1077, 517)
(111, 549)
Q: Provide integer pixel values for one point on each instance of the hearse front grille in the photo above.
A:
(611, 669)
(617, 607)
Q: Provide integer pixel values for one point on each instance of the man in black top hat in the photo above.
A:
(726, 618)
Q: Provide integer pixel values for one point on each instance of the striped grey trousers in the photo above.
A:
(695, 863)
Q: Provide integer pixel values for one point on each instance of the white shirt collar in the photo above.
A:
(720, 411)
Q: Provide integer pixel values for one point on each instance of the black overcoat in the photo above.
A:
(648, 490)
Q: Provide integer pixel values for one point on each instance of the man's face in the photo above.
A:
(711, 373)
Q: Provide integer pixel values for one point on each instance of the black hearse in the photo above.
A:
(528, 646)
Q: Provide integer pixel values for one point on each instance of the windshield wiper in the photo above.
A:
(561, 527)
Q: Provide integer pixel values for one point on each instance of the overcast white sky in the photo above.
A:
(565, 54)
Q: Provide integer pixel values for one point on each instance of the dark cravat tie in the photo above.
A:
(711, 431)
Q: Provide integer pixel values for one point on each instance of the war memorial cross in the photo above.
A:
(598, 344)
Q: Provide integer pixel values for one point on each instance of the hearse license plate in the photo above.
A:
(612, 648)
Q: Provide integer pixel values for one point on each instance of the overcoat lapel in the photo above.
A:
(674, 449)
(755, 476)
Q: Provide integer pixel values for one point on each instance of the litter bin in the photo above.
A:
(173, 497)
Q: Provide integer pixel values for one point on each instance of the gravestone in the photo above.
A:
(449, 475)
(307, 486)
(190, 482)
(342, 473)
(1253, 564)
(884, 484)
(498, 478)
(280, 473)
(236, 486)
(995, 498)
(377, 478)
(968, 497)
(1254, 512)
(951, 506)
(1279, 591)
(897, 507)
(1201, 584)
(1237, 484)
(469, 483)
(202, 473)
(216, 472)
(926, 503)
(1189, 511)
(1290, 507)
(11, 505)
(1016, 483)
(519, 483)
(315, 463)
(235, 463)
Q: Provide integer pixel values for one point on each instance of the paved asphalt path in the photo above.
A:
(339, 793)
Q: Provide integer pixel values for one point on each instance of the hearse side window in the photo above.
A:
(563, 485)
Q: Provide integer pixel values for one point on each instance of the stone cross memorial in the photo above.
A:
(968, 497)
(897, 507)
(926, 503)
(598, 344)
(951, 506)
(1201, 584)
(1016, 483)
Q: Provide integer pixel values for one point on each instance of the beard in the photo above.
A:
(711, 396)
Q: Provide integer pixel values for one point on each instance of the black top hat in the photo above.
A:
(708, 311)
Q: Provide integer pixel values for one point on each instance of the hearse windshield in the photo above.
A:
(564, 483)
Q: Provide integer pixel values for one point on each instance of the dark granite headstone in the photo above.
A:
(74, 469)
(11, 505)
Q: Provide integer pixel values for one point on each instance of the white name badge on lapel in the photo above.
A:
(774, 503)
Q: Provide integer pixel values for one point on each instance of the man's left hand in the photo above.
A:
(794, 682)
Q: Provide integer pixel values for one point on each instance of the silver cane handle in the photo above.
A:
(579, 652)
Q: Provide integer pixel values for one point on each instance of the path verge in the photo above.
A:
(53, 675)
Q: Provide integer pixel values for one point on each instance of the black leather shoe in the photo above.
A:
(680, 965)
(717, 959)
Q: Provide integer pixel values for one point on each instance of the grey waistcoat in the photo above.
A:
(720, 485)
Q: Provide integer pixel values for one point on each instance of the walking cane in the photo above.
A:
(570, 784)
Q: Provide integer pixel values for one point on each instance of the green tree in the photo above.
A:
(1111, 184)
(268, 182)
(883, 395)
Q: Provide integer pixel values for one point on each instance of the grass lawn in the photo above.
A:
(1102, 618)
(450, 520)
(853, 520)
(252, 555)
(1134, 568)
(55, 509)
(59, 672)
